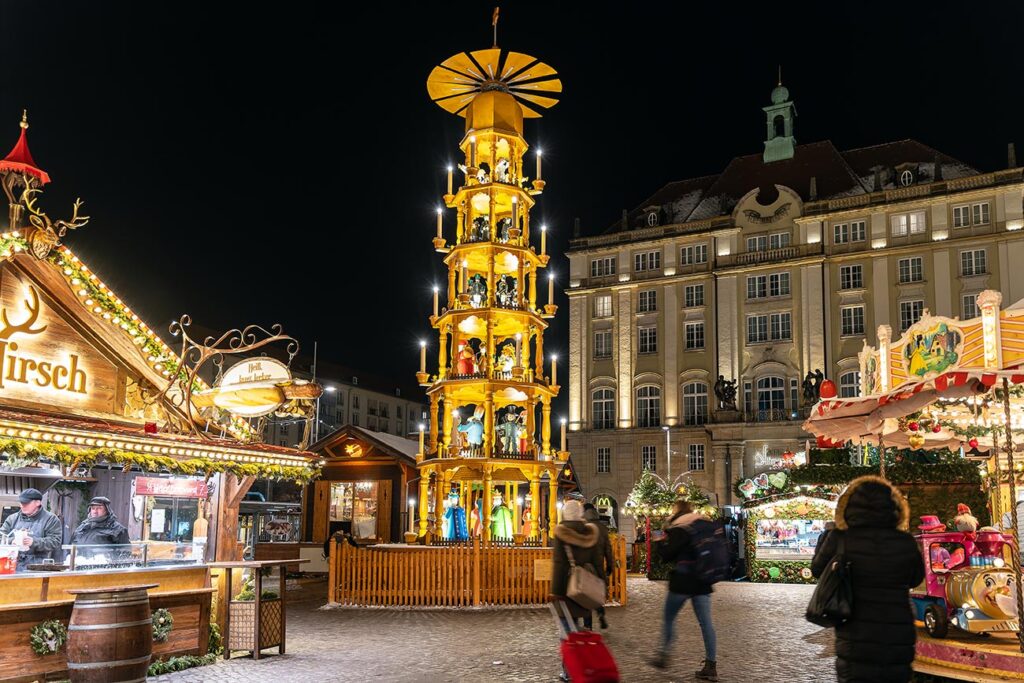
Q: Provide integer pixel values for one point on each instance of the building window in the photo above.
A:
(771, 395)
(781, 326)
(778, 284)
(910, 313)
(398, 412)
(849, 384)
(371, 407)
(970, 307)
(757, 329)
(854, 231)
(603, 344)
(604, 409)
(852, 320)
(979, 213)
(604, 460)
(695, 403)
(961, 216)
(908, 224)
(757, 286)
(603, 306)
(694, 336)
(652, 218)
(693, 295)
(794, 398)
(757, 243)
(778, 240)
(696, 457)
(911, 269)
(906, 178)
(648, 301)
(648, 260)
(649, 458)
(355, 402)
(694, 254)
(648, 339)
(748, 397)
(972, 262)
(648, 406)
(851, 277)
(602, 266)
(355, 419)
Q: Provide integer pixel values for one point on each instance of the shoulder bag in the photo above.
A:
(832, 602)
(585, 588)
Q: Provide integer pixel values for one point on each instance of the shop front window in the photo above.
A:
(171, 519)
(356, 503)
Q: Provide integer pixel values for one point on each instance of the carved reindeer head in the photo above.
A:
(25, 327)
(41, 221)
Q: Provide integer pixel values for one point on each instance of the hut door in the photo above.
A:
(321, 505)
(384, 511)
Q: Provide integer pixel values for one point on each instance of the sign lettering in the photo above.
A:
(172, 488)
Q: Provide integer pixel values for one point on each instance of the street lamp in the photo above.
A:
(668, 453)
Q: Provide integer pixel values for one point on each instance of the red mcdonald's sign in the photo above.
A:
(172, 487)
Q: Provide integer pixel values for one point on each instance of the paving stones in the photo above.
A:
(762, 636)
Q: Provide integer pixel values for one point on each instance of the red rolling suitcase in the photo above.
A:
(585, 657)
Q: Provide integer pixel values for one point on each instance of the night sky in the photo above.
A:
(281, 163)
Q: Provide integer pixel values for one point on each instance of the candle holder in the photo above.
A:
(423, 378)
(518, 371)
(464, 299)
(514, 233)
(544, 258)
(562, 456)
(440, 244)
(538, 186)
(448, 199)
(549, 310)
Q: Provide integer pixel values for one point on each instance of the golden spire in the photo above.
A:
(24, 118)
(494, 23)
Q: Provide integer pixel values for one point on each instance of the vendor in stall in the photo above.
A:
(39, 532)
(101, 526)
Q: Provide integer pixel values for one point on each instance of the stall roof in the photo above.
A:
(389, 444)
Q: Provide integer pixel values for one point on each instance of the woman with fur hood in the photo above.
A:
(582, 537)
(877, 643)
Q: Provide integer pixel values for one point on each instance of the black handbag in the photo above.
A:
(832, 602)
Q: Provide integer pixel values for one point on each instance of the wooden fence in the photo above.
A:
(467, 575)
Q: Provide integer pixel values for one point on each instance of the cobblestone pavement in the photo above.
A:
(762, 636)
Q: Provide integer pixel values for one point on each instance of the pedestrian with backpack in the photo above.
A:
(688, 544)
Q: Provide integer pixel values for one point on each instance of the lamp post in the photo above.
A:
(668, 453)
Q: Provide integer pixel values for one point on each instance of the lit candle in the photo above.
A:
(412, 515)
(423, 356)
(551, 288)
(554, 370)
(422, 427)
(563, 435)
(439, 217)
(543, 239)
(519, 349)
(472, 151)
(436, 290)
(449, 179)
(538, 164)
(465, 277)
(515, 212)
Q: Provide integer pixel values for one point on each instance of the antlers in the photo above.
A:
(25, 327)
(43, 222)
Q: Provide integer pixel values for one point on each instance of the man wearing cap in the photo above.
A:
(39, 532)
(101, 526)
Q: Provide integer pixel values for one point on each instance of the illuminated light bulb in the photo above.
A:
(68, 271)
(97, 309)
(106, 316)
(82, 292)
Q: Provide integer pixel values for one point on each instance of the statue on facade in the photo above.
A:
(819, 377)
(725, 392)
(810, 391)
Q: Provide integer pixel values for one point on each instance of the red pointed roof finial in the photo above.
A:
(20, 159)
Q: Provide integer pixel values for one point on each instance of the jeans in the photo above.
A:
(674, 602)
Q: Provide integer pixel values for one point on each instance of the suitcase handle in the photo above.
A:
(558, 619)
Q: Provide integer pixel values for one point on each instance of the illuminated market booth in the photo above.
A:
(93, 403)
(951, 385)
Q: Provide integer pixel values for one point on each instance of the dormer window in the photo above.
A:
(907, 178)
(652, 218)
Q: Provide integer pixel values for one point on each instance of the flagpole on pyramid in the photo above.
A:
(494, 23)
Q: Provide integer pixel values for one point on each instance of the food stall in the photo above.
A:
(93, 402)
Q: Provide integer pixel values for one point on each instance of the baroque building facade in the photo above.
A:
(781, 266)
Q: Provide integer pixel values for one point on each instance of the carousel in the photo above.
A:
(948, 385)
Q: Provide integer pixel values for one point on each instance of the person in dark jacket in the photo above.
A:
(100, 527)
(606, 563)
(877, 643)
(677, 548)
(820, 543)
(37, 530)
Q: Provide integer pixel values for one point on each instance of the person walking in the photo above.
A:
(678, 548)
(37, 531)
(877, 643)
(606, 559)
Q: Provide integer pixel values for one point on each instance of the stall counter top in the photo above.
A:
(47, 587)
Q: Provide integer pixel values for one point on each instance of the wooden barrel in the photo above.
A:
(110, 635)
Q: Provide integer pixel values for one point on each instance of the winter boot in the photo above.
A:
(709, 672)
(659, 660)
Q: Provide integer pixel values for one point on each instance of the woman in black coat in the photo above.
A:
(877, 643)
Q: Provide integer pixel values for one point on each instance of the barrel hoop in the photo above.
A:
(105, 603)
(105, 665)
(112, 597)
(102, 627)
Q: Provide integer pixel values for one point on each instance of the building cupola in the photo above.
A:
(780, 143)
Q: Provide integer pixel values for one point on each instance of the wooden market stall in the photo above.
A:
(956, 385)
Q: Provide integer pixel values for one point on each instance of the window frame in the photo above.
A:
(911, 261)
(597, 346)
(650, 414)
(598, 308)
(648, 458)
(607, 408)
(971, 255)
(852, 330)
(647, 301)
(696, 457)
(695, 403)
(971, 301)
(603, 454)
(911, 303)
(851, 282)
(647, 335)
(691, 301)
(609, 263)
(698, 253)
(686, 336)
(646, 261)
(844, 385)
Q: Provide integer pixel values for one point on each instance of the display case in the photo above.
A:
(129, 555)
(261, 523)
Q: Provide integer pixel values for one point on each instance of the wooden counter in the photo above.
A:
(29, 598)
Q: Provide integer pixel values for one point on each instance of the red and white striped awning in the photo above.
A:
(862, 419)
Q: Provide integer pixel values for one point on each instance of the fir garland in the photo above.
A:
(163, 622)
(48, 637)
(782, 571)
(216, 642)
(72, 457)
(159, 668)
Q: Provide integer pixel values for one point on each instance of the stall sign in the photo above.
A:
(170, 488)
(249, 388)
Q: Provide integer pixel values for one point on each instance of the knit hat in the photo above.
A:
(962, 509)
(572, 511)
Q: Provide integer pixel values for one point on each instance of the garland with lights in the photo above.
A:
(73, 458)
